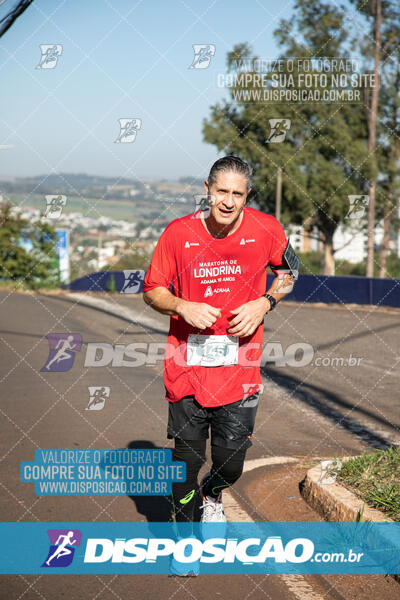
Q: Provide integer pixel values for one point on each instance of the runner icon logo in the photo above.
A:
(62, 351)
(98, 396)
(202, 55)
(54, 206)
(128, 130)
(279, 129)
(50, 55)
(62, 547)
(133, 282)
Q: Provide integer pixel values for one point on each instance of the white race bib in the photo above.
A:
(212, 350)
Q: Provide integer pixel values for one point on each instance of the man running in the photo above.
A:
(216, 268)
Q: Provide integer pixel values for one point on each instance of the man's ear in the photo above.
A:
(206, 186)
(247, 195)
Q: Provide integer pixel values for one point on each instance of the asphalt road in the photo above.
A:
(322, 409)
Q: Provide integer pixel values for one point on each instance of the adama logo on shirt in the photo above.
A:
(243, 241)
(209, 291)
(188, 244)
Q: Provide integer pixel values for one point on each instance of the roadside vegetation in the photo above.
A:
(375, 478)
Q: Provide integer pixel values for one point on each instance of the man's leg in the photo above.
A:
(227, 467)
(188, 425)
(231, 431)
(184, 493)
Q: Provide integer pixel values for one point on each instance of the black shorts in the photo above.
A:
(231, 425)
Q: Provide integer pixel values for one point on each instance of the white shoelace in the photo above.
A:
(213, 509)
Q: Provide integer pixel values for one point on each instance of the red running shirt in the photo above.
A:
(225, 273)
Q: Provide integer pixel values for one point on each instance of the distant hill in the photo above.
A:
(66, 183)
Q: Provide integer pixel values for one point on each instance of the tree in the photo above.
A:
(324, 156)
(378, 46)
(388, 161)
(132, 260)
(27, 250)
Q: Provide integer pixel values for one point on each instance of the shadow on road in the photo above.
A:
(330, 404)
(154, 508)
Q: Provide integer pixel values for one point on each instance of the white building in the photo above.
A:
(349, 243)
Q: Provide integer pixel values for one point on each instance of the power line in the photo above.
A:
(9, 19)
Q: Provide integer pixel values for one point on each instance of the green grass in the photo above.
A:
(118, 209)
(375, 478)
(21, 285)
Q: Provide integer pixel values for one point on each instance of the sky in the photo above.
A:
(121, 60)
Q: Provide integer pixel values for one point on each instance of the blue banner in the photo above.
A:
(240, 548)
(103, 472)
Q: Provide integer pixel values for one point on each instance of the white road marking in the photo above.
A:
(372, 367)
(117, 309)
(296, 584)
(270, 460)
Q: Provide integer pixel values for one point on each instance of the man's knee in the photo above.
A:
(228, 462)
(193, 452)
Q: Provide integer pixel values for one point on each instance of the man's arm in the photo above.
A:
(251, 314)
(162, 301)
(197, 314)
(248, 316)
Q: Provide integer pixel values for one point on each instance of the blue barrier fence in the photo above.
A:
(309, 288)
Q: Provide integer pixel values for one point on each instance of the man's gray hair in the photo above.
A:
(230, 163)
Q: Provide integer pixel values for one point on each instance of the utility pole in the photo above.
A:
(278, 194)
(372, 118)
(99, 241)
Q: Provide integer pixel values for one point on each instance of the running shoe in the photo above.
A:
(212, 512)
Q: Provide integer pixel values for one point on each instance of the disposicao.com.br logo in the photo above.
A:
(213, 550)
(236, 548)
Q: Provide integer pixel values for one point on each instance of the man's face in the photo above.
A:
(228, 196)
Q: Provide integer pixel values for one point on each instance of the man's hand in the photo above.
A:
(198, 314)
(248, 317)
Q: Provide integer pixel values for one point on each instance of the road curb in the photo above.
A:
(336, 503)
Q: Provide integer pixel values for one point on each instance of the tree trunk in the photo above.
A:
(329, 261)
(372, 137)
(390, 206)
(387, 213)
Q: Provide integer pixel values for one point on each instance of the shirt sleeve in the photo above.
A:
(279, 243)
(162, 270)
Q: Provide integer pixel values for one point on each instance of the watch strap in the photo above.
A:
(272, 301)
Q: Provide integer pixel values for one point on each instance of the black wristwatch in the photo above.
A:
(272, 301)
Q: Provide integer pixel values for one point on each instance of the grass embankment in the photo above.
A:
(375, 478)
